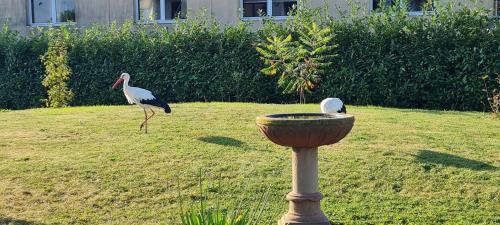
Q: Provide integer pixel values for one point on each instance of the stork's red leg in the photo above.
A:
(151, 114)
(145, 122)
(148, 118)
(146, 115)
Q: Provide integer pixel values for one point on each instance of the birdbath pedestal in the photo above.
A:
(305, 132)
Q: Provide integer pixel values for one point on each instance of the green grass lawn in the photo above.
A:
(91, 165)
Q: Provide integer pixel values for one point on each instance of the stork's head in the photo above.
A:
(123, 77)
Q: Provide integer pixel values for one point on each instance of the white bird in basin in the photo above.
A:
(332, 105)
(141, 97)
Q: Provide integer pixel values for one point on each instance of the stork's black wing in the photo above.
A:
(158, 103)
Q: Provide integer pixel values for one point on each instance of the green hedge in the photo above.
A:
(21, 71)
(420, 62)
(197, 63)
(387, 59)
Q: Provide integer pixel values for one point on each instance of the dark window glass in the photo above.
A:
(283, 7)
(254, 8)
(375, 4)
(416, 5)
(382, 3)
(413, 5)
(174, 9)
(65, 10)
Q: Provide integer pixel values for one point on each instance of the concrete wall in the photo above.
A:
(14, 13)
(227, 11)
(336, 7)
(103, 11)
(91, 11)
(224, 10)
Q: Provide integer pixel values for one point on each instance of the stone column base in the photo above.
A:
(304, 209)
(283, 221)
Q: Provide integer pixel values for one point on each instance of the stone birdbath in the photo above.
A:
(305, 132)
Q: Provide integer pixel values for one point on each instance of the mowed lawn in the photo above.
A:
(91, 165)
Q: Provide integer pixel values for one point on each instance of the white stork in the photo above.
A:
(141, 97)
(332, 105)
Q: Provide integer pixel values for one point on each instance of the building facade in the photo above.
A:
(24, 14)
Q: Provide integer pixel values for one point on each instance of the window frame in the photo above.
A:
(269, 12)
(162, 19)
(496, 8)
(53, 15)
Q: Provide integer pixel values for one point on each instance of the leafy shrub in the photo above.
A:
(193, 62)
(434, 62)
(57, 71)
(21, 71)
(301, 63)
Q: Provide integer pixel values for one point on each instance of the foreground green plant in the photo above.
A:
(300, 63)
(240, 215)
(213, 217)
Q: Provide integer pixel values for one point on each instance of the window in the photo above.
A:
(44, 12)
(275, 8)
(415, 7)
(160, 10)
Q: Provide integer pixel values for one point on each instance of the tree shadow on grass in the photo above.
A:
(219, 140)
(428, 156)
(10, 221)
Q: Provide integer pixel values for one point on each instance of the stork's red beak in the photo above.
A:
(118, 82)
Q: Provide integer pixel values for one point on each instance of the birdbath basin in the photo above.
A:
(305, 132)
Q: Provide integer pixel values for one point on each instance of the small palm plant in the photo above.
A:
(218, 215)
(300, 63)
(213, 217)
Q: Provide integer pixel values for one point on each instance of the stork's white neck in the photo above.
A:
(125, 83)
